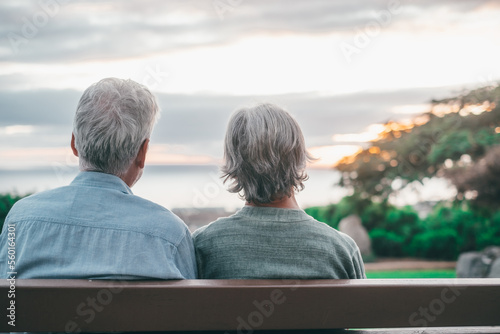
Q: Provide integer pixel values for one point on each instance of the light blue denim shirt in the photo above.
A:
(96, 228)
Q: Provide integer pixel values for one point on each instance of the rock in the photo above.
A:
(495, 269)
(353, 227)
(479, 264)
(470, 265)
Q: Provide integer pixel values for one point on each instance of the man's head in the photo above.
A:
(113, 122)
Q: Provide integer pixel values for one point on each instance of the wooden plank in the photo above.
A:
(437, 330)
(249, 305)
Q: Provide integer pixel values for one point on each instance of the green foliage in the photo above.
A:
(386, 243)
(402, 221)
(6, 203)
(450, 229)
(451, 146)
(467, 223)
(442, 244)
(374, 215)
(490, 236)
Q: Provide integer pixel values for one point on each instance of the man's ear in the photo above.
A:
(73, 147)
(140, 160)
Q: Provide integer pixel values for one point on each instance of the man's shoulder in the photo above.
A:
(36, 200)
(123, 211)
(156, 212)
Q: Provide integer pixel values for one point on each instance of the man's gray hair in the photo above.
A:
(264, 154)
(113, 119)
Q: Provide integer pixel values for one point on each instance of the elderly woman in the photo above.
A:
(270, 237)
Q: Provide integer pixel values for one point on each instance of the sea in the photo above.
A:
(174, 186)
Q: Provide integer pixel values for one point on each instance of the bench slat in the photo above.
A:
(246, 305)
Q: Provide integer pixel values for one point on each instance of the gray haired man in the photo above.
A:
(95, 227)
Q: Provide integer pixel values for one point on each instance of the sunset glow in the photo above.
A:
(329, 156)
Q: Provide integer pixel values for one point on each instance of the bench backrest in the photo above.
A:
(247, 305)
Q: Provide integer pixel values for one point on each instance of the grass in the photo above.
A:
(441, 273)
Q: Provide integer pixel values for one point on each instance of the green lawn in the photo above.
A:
(441, 273)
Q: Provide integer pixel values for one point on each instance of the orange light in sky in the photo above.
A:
(329, 156)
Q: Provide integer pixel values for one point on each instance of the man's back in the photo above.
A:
(96, 228)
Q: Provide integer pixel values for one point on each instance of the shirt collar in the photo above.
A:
(101, 180)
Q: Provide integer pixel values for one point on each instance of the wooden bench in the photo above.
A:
(253, 306)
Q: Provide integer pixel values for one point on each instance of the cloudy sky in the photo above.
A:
(339, 66)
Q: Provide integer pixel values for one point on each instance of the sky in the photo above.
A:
(340, 67)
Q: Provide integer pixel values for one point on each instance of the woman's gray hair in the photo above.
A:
(264, 154)
(113, 119)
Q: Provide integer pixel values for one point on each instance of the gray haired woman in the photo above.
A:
(270, 237)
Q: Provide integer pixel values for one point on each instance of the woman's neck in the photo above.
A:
(283, 203)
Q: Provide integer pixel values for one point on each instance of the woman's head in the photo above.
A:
(264, 154)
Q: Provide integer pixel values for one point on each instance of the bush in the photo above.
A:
(403, 221)
(468, 223)
(374, 215)
(450, 229)
(490, 236)
(442, 244)
(386, 243)
(6, 203)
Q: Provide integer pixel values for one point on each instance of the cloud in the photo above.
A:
(195, 124)
(88, 30)
(39, 107)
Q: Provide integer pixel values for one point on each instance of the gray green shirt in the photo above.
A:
(273, 243)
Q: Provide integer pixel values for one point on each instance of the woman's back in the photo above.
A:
(266, 242)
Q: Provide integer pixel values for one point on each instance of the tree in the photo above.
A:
(443, 142)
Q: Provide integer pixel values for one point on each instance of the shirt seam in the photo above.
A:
(52, 221)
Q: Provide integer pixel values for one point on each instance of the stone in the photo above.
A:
(469, 264)
(495, 269)
(352, 226)
(479, 264)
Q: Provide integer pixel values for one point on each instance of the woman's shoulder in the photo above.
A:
(332, 233)
(215, 227)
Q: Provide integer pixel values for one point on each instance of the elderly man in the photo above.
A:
(95, 227)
